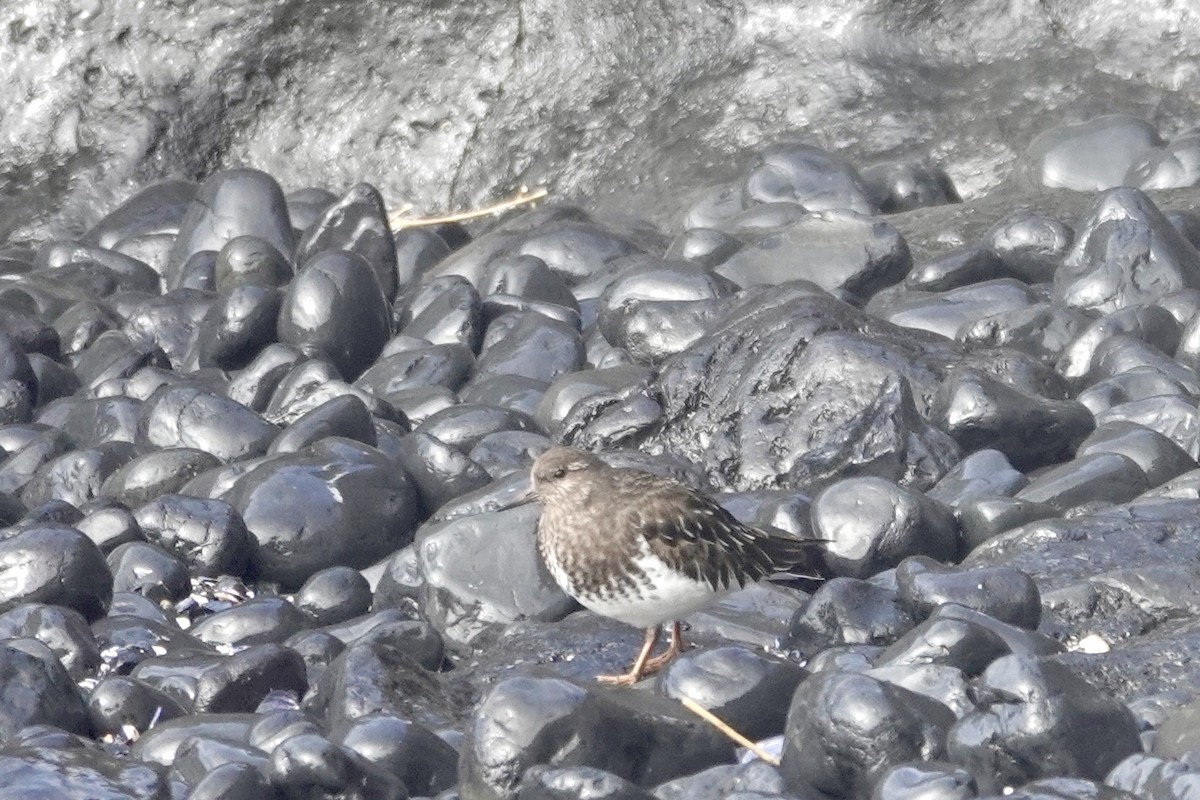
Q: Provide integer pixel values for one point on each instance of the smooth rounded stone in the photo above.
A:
(944, 684)
(958, 268)
(158, 207)
(1121, 354)
(394, 627)
(36, 689)
(118, 701)
(20, 466)
(749, 780)
(240, 323)
(870, 524)
(142, 566)
(335, 306)
(199, 273)
(948, 312)
(318, 649)
(378, 677)
(417, 251)
(984, 473)
(108, 419)
(54, 380)
(53, 564)
(63, 630)
(506, 452)
(1127, 253)
(232, 203)
(334, 595)
(171, 321)
(926, 780)
(261, 620)
(1176, 165)
(1182, 487)
(253, 386)
(185, 416)
(241, 681)
(344, 416)
(1141, 774)
(408, 750)
(483, 572)
(1038, 719)
(1002, 593)
(148, 476)
(1043, 330)
(842, 251)
(848, 611)
(574, 249)
(526, 277)
(399, 584)
(76, 477)
(132, 644)
(198, 757)
(308, 764)
(445, 365)
(651, 332)
(114, 355)
(980, 412)
(312, 383)
(162, 743)
(1160, 458)
(1090, 156)
(250, 260)
(445, 310)
(707, 247)
(357, 222)
(1174, 416)
(52, 512)
(462, 426)
(961, 644)
(575, 783)
(111, 527)
(82, 324)
(421, 402)
(1101, 476)
(845, 731)
(1177, 732)
(1150, 324)
(15, 436)
(533, 347)
(152, 249)
(1140, 383)
(336, 502)
(35, 770)
(14, 364)
(640, 737)
(740, 686)
(209, 536)
(439, 471)
(799, 173)
(63, 263)
(897, 186)
(16, 403)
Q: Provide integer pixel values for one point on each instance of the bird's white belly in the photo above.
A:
(657, 595)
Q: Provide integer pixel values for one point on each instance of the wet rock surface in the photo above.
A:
(256, 445)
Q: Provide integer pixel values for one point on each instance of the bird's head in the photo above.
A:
(559, 469)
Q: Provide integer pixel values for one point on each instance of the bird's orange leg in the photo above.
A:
(673, 649)
(639, 666)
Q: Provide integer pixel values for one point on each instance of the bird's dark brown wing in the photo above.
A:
(693, 534)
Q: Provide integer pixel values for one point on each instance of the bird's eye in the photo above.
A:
(561, 472)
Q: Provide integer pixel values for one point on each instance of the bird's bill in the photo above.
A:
(517, 495)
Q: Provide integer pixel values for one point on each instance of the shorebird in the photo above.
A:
(646, 550)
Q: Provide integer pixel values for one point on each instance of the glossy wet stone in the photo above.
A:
(191, 417)
(336, 502)
(984, 473)
(63, 630)
(526, 721)
(156, 207)
(141, 566)
(249, 260)
(947, 313)
(872, 524)
(1003, 593)
(356, 222)
(1090, 156)
(930, 780)
(845, 731)
(54, 564)
(445, 365)
(439, 471)
(146, 477)
(335, 305)
(848, 611)
(77, 772)
(954, 269)
(240, 682)
(482, 572)
(740, 686)
(334, 595)
(239, 324)
(445, 310)
(343, 416)
(263, 620)
(960, 644)
(76, 477)
(309, 762)
(209, 536)
(806, 175)
(1150, 324)
(1160, 458)
(36, 689)
(531, 346)
(1101, 476)
(118, 701)
(410, 751)
(1040, 707)
(896, 186)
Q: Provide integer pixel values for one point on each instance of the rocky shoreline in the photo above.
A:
(256, 446)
